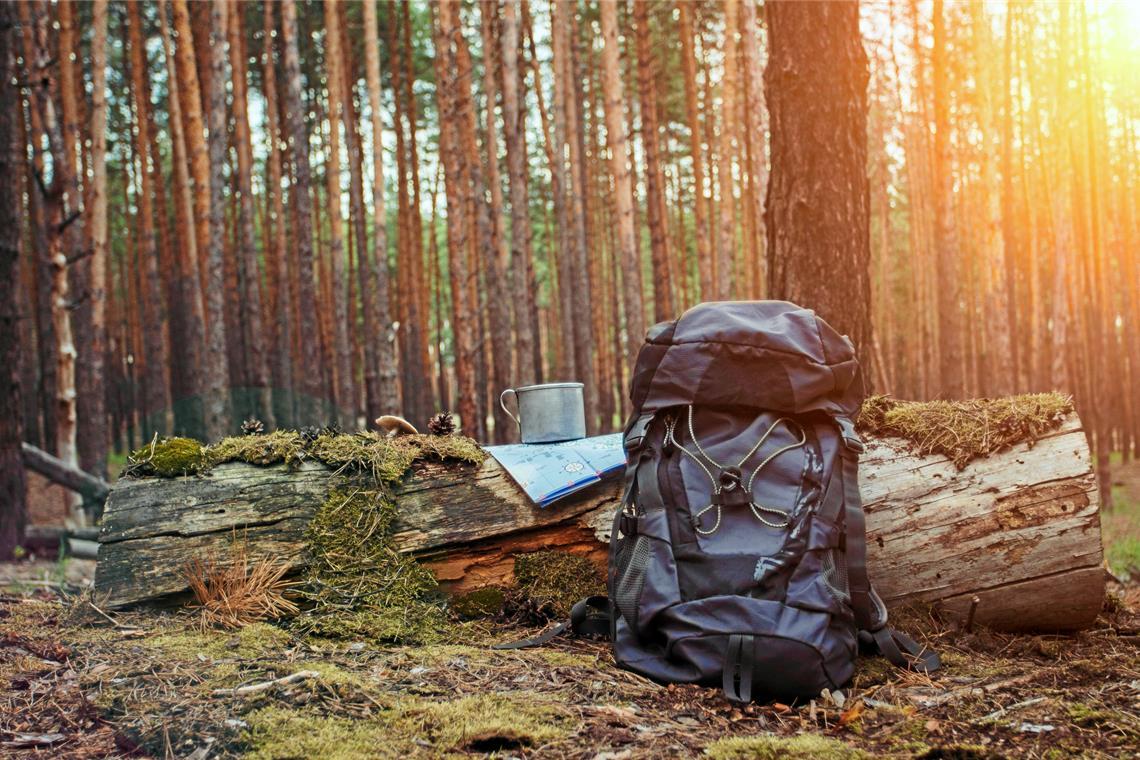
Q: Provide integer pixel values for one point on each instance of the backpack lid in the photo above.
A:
(770, 355)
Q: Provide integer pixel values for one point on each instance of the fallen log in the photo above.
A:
(1019, 530)
(56, 470)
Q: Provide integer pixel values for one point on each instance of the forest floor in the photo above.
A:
(77, 682)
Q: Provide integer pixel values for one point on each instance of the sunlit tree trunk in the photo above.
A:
(726, 269)
(753, 70)
(704, 250)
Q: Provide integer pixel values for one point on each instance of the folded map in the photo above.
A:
(549, 471)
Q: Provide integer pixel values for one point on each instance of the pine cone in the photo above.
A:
(310, 433)
(253, 426)
(441, 424)
(333, 428)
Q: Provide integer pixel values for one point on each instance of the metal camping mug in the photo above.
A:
(548, 413)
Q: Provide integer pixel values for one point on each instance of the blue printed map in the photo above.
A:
(549, 471)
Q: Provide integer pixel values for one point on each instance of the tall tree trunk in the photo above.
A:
(513, 132)
(247, 255)
(57, 217)
(950, 320)
(696, 152)
(94, 436)
(502, 372)
(566, 110)
(379, 306)
(312, 409)
(457, 184)
(156, 388)
(186, 380)
(280, 300)
(727, 272)
(757, 139)
(13, 506)
(818, 213)
(617, 140)
(654, 180)
(344, 384)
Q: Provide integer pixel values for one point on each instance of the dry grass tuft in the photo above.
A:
(238, 591)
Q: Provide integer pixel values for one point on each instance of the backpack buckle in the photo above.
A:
(851, 439)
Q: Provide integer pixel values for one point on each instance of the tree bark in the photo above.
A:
(617, 141)
(950, 320)
(260, 400)
(654, 180)
(458, 188)
(189, 324)
(817, 212)
(704, 250)
(1020, 530)
(156, 382)
(381, 310)
(312, 410)
(757, 140)
(13, 505)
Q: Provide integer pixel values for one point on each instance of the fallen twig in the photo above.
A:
(253, 688)
(1002, 711)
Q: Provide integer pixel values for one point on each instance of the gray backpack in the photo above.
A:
(738, 557)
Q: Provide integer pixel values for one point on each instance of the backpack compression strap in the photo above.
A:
(870, 612)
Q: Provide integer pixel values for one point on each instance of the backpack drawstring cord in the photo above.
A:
(757, 509)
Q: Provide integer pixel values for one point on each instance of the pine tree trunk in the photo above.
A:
(704, 250)
(502, 372)
(513, 127)
(458, 188)
(186, 378)
(312, 409)
(57, 217)
(156, 388)
(617, 140)
(13, 506)
(663, 308)
(757, 140)
(247, 254)
(950, 320)
(727, 271)
(379, 306)
(818, 217)
(280, 301)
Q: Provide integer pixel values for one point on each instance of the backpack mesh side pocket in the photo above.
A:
(631, 580)
(835, 575)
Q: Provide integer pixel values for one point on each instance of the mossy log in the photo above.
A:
(1019, 530)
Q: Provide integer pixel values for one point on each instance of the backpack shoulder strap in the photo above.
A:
(870, 612)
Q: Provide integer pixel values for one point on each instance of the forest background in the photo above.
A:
(312, 213)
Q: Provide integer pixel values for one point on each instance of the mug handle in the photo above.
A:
(503, 403)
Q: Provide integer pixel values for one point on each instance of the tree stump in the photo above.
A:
(1020, 530)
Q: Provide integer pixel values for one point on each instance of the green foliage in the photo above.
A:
(168, 458)
(480, 603)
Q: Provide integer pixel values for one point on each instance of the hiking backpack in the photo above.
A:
(738, 556)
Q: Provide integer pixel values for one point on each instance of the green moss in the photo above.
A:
(386, 459)
(168, 458)
(279, 447)
(410, 727)
(358, 585)
(772, 747)
(254, 640)
(557, 578)
(480, 603)
(965, 430)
